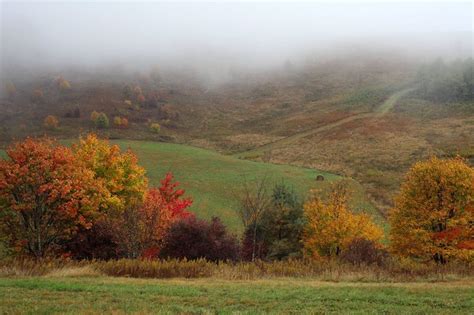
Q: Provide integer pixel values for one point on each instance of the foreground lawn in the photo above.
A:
(123, 295)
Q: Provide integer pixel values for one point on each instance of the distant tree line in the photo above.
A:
(447, 81)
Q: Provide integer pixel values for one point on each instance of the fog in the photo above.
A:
(223, 36)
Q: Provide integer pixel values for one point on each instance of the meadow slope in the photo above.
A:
(214, 180)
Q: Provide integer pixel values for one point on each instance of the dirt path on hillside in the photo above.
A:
(392, 101)
(384, 108)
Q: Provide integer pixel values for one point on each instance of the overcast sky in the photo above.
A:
(255, 33)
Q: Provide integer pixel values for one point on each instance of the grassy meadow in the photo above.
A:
(48, 295)
(214, 180)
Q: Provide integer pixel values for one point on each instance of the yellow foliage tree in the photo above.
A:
(120, 122)
(434, 212)
(94, 116)
(124, 179)
(63, 84)
(331, 226)
(155, 127)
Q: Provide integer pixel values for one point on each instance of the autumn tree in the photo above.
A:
(331, 226)
(46, 194)
(434, 212)
(120, 122)
(279, 230)
(254, 202)
(125, 183)
(63, 84)
(119, 171)
(51, 122)
(283, 223)
(100, 120)
(162, 206)
(94, 116)
(155, 127)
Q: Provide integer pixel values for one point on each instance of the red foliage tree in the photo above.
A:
(45, 195)
(162, 207)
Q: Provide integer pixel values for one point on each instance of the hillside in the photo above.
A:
(364, 118)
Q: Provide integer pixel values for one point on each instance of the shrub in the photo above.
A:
(155, 127)
(100, 242)
(94, 116)
(76, 113)
(62, 84)
(192, 238)
(102, 121)
(37, 96)
(137, 91)
(173, 268)
(127, 92)
(51, 122)
(141, 99)
(117, 121)
(361, 251)
(121, 122)
(151, 100)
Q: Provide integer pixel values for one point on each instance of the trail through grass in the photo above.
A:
(123, 295)
(381, 110)
(392, 101)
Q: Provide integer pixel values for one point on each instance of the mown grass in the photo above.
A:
(205, 296)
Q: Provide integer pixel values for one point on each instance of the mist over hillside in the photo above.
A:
(216, 41)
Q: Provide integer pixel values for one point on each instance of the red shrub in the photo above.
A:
(193, 238)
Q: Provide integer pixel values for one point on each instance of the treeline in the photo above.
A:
(92, 201)
(447, 82)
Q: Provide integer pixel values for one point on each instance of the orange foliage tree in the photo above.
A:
(434, 212)
(331, 226)
(51, 122)
(45, 195)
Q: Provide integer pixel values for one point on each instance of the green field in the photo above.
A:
(214, 180)
(211, 296)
